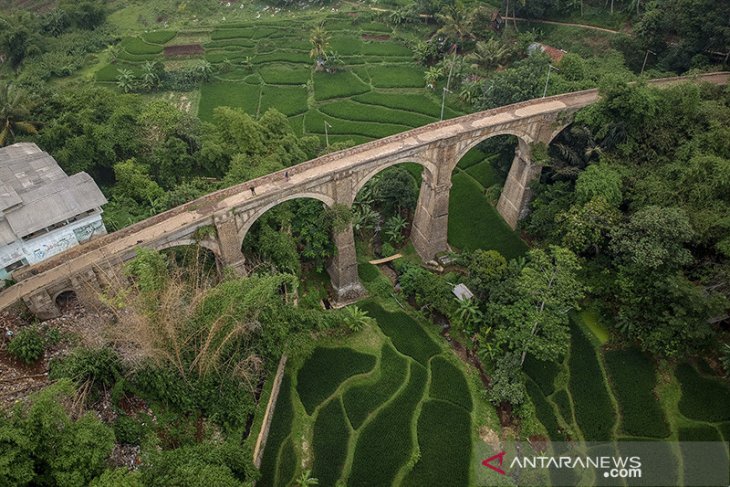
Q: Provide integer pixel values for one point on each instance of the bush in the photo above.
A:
(703, 398)
(329, 443)
(119, 477)
(27, 345)
(444, 441)
(634, 380)
(507, 383)
(428, 289)
(448, 383)
(362, 399)
(100, 366)
(594, 411)
(406, 334)
(132, 430)
(390, 429)
(325, 370)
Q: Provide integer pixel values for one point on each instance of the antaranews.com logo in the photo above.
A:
(620, 463)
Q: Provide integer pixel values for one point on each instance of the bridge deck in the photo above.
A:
(113, 245)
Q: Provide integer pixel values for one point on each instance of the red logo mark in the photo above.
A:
(488, 462)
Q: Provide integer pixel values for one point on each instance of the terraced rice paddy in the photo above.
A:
(367, 423)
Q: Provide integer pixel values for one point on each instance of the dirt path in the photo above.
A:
(566, 24)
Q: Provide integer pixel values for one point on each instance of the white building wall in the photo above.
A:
(51, 243)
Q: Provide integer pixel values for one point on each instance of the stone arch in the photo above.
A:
(428, 166)
(64, 295)
(189, 241)
(523, 139)
(248, 223)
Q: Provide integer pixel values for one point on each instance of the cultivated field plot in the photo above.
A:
(360, 416)
(599, 394)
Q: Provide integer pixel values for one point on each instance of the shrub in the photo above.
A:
(99, 366)
(278, 431)
(118, 477)
(325, 370)
(27, 345)
(428, 289)
(703, 398)
(445, 446)
(132, 430)
(634, 380)
(507, 383)
(329, 443)
(362, 399)
(406, 334)
(448, 383)
(594, 411)
(390, 429)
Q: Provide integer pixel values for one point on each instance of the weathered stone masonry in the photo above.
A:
(333, 179)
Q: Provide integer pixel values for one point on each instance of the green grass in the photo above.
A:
(484, 173)
(542, 372)
(350, 110)
(703, 398)
(235, 43)
(448, 383)
(592, 320)
(137, 58)
(375, 27)
(475, 224)
(346, 45)
(278, 432)
(634, 379)
(393, 76)
(367, 272)
(405, 101)
(385, 444)
(594, 411)
(159, 36)
(362, 399)
(287, 464)
(110, 72)
(135, 45)
(220, 93)
(314, 124)
(242, 33)
(282, 74)
(282, 57)
(562, 401)
(289, 100)
(407, 335)
(445, 443)
(386, 49)
(544, 411)
(329, 443)
(472, 157)
(337, 85)
(325, 370)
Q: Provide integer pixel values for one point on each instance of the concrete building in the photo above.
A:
(43, 211)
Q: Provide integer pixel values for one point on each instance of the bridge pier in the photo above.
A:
(343, 267)
(516, 194)
(431, 221)
(230, 247)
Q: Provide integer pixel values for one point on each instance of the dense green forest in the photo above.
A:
(621, 267)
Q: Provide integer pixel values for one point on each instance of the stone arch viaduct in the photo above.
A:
(333, 179)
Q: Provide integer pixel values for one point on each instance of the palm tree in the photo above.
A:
(364, 218)
(15, 108)
(394, 227)
(357, 319)
(125, 80)
(468, 315)
(320, 40)
(488, 54)
(150, 79)
(432, 76)
(455, 22)
(306, 479)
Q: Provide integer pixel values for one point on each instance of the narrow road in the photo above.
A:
(567, 24)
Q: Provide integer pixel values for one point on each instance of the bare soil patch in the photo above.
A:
(184, 50)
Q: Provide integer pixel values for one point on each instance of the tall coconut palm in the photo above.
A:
(455, 22)
(320, 40)
(488, 54)
(15, 109)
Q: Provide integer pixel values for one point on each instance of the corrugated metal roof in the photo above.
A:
(36, 193)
